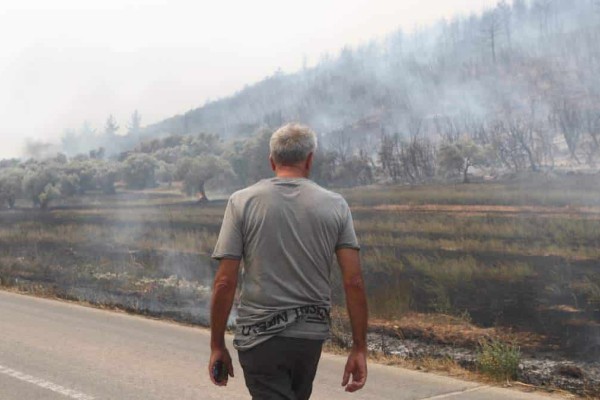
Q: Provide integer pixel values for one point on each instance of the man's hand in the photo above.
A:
(356, 300)
(220, 354)
(220, 307)
(356, 367)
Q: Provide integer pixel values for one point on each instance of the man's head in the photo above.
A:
(292, 148)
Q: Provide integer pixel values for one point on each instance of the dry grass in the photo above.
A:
(535, 190)
(187, 240)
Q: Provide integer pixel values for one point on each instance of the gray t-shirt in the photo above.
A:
(286, 230)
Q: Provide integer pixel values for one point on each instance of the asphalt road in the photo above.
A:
(55, 350)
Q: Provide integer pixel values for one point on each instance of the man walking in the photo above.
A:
(286, 230)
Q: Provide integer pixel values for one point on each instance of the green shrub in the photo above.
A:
(498, 360)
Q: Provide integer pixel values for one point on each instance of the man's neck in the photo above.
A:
(285, 171)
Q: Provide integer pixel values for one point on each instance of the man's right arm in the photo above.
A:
(356, 301)
(223, 294)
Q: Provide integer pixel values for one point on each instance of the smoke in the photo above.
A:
(509, 60)
(39, 149)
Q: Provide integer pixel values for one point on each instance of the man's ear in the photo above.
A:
(309, 161)
(273, 166)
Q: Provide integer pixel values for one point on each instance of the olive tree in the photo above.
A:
(455, 159)
(84, 170)
(166, 172)
(11, 180)
(139, 171)
(250, 159)
(105, 176)
(69, 185)
(197, 171)
(41, 184)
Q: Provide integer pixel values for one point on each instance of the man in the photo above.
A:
(286, 230)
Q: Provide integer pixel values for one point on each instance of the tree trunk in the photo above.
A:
(530, 156)
(466, 172)
(202, 193)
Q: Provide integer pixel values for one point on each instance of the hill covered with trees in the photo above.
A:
(514, 89)
(517, 87)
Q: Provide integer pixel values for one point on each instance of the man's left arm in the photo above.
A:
(224, 288)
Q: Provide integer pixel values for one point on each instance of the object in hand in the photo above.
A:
(219, 371)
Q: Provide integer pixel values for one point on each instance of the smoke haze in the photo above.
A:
(70, 61)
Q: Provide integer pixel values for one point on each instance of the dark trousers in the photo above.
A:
(281, 368)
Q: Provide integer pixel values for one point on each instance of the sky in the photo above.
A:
(64, 62)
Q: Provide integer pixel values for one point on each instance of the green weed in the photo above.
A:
(498, 360)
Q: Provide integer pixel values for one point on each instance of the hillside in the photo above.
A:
(530, 66)
(515, 89)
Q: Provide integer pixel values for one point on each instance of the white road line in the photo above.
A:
(44, 384)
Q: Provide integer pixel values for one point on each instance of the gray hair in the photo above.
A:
(292, 143)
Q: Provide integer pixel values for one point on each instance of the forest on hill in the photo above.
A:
(514, 89)
(521, 78)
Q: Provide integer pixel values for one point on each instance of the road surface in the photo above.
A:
(54, 350)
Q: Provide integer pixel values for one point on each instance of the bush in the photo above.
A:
(139, 171)
(498, 360)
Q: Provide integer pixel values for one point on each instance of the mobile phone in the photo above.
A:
(219, 371)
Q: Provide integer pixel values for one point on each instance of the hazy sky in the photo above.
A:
(63, 62)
